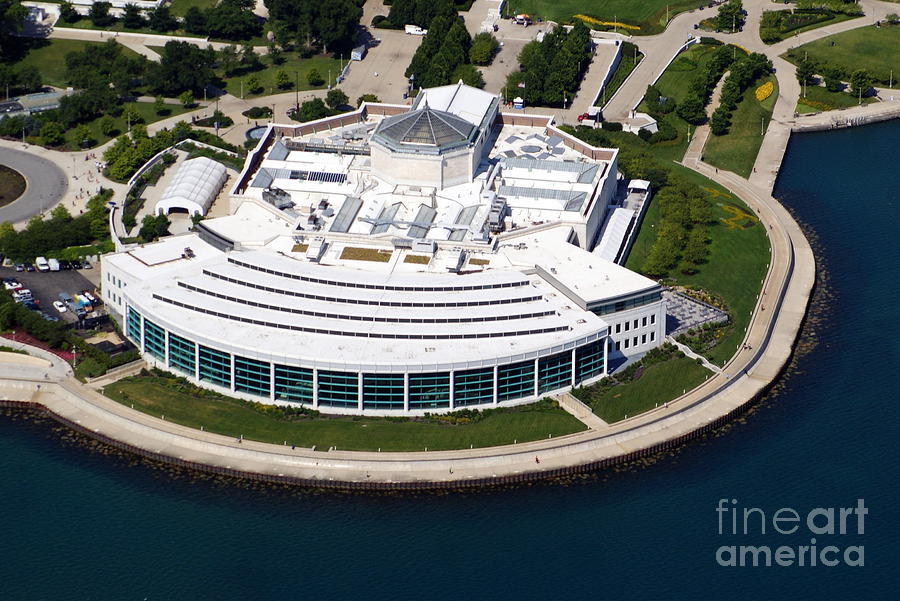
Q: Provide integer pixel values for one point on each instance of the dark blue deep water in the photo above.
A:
(80, 525)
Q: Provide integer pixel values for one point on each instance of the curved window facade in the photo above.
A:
(368, 391)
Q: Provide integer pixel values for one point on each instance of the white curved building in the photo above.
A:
(353, 282)
(194, 187)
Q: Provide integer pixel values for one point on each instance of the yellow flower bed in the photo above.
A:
(594, 21)
(764, 91)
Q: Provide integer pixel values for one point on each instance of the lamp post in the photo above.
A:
(297, 91)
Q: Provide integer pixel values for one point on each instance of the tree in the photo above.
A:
(154, 227)
(692, 110)
(161, 19)
(159, 105)
(282, 79)
(367, 98)
(805, 72)
(186, 99)
(833, 81)
(312, 110)
(232, 20)
(860, 82)
(99, 14)
(484, 46)
(275, 53)
(249, 59)
(892, 18)
(52, 133)
(133, 17)
(106, 125)
(68, 13)
(335, 98)
(314, 78)
(182, 66)
(131, 116)
(469, 74)
(720, 122)
(253, 85)
(28, 78)
(194, 20)
(83, 136)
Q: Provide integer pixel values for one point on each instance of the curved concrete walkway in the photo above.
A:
(46, 185)
(771, 334)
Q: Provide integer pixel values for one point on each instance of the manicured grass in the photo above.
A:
(118, 26)
(355, 253)
(675, 83)
(876, 49)
(658, 384)
(835, 18)
(145, 109)
(737, 262)
(179, 7)
(12, 185)
(49, 57)
(736, 151)
(627, 64)
(820, 99)
(297, 68)
(231, 417)
(650, 15)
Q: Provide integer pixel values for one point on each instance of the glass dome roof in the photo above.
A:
(426, 127)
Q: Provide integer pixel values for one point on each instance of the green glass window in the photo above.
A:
(293, 384)
(252, 376)
(555, 372)
(133, 326)
(515, 381)
(473, 387)
(182, 354)
(154, 340)
(338, 389)
(383, 391)
(589, 360)
(215, 366)
(429, 391)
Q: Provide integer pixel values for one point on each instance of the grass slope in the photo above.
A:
(145, 109)
(49, 57)
(659, 383)
(231, 417)
(650, 15)
(876, 49)
(12, 185)
(820, 99)
(736, 151)
(737, 262)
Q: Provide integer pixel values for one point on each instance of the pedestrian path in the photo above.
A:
(580, 411)
(691, 354)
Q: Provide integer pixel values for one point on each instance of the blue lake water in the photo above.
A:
(78, 525)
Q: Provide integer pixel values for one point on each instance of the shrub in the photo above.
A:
(611, 126)
(314, 78)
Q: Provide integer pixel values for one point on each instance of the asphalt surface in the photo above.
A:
(45, 287)
(46, 185)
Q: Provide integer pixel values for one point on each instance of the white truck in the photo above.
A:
(415, 30)
(42, 264)
(53, 264)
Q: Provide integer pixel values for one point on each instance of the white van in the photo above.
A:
(42, 264)
(54, 264)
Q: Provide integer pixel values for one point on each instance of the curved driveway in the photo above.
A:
(47, 184)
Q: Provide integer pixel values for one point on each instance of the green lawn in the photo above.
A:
(737, 263)
(158, 396)
(675, 82)
(295, 67)
(49, 57)
(835, 18)
(736, 151)
(658, 384)
(630, 60)
(876, 49)
(179, 7)
(819, 99)
(145, 109)
(118, 26)
(650, 15)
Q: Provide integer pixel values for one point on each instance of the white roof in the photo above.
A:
(614, 231)
(638, 184)
(194, 187)
(459, 99)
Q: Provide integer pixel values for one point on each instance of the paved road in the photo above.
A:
(47, 184)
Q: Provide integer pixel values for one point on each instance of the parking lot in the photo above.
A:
(45, 287)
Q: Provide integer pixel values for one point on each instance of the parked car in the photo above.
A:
(29, 267)
(90, 297)
(42, 264)
(11, 284)
(76, 264)
(65, 264)
(49, 317)
(20, 267)
(86, 264)
(59, 306)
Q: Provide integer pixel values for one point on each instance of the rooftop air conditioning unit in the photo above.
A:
(424, 246)
(316, 250)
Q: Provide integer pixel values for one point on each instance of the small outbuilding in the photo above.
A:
(194, 188)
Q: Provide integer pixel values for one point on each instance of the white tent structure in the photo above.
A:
(194, 187)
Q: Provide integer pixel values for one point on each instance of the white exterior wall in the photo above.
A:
(618, 335)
